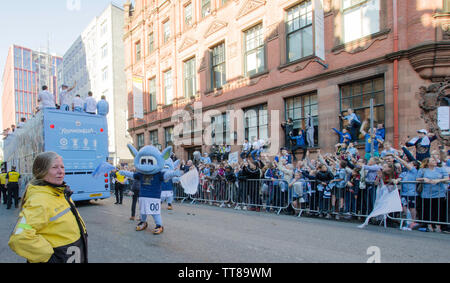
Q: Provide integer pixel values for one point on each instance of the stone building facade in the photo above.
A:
(276, 60)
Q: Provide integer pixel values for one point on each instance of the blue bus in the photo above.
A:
(81, 139)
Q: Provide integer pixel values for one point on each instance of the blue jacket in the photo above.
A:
(343, 136)
(102, 107)
(300, 139)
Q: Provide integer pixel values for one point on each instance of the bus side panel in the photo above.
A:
(86, 187)
(82, 140)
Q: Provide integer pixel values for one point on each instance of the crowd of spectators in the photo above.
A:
(341, 183)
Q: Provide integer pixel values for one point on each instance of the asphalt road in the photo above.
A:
(208, 234)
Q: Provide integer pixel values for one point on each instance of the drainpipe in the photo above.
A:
(396, 85)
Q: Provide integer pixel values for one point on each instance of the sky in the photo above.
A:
(31, 23)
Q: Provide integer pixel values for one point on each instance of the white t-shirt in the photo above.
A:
(91, 104)
(65, 98)
(46, 100)
(78, 102)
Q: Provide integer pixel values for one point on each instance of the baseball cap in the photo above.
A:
(423, 131)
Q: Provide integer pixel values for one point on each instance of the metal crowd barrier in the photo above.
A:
(265, 194)
(178, 193)
(424, 210)
(312, 199)
(306, 197)
(213, 191)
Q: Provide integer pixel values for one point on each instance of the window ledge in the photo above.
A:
(355, 44)
(301, 60)
(254, 76)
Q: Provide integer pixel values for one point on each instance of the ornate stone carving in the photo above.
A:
(430, 98)
(188, 42)
(446, 30)
(249, 6)
(214, 27)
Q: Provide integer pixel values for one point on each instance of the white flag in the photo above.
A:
(190, 182)
(386, 202)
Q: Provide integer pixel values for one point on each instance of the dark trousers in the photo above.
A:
(354, 130)
(3, 194)
(296, 147)
(133, 204)
(119, 192)
(13, 192)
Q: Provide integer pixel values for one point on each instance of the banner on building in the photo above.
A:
(443, 119)
(319, 29)
(138, 98)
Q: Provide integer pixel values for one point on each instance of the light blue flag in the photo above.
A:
(102, 169)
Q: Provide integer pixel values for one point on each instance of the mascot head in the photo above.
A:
(149, 160)
(170, 165)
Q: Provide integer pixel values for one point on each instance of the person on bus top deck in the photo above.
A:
(46, 99)
(65, 98)
(77, 104)
(103, 106)
(90, 104)
(12, 185)
(49, 229)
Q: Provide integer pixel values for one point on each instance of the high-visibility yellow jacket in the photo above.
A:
(13, 177)
(120, 178)
(3, 178)
(49, 228)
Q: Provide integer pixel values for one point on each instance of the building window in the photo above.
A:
(168, 136)
(206, 8)
(104, 53)
(140, 141)
(104, 28)
(151, 43)
(256, 123)
(254, 51)
(138, 51)
(218, 66)
(167, 34)
(299, 108)
(17, 57)
(221, 129)
(154, 138)
(357, 96)
(152, 94)
(299, 31)
(168, 88)
(105, 74)
(188, 15)
(361, 18)
(189, 78)
(446, 6)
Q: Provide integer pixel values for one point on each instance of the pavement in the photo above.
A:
(209, 234)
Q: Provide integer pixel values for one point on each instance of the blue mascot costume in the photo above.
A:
(167, 186)
(149, 163)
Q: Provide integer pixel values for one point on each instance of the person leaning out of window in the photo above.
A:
(49, 229)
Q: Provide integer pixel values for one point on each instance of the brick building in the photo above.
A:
(282, 59)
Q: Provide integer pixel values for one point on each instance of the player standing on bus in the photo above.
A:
(12, 184)
(65, 98)
(3, 186)
(46, 99)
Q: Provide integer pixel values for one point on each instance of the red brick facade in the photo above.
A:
(365, 65)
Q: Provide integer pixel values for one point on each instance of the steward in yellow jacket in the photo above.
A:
(49, 228)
